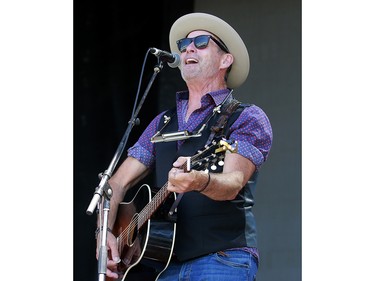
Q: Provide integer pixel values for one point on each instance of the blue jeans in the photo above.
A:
(233, 265)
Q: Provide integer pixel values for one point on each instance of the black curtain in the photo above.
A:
(110, 43)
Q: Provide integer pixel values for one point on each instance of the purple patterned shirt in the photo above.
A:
(252, 130)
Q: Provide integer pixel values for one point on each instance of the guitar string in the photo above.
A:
(148, 209)
(153, 204)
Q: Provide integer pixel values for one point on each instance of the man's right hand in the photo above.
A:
(113, 255)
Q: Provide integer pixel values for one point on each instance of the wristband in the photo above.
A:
(207, 183)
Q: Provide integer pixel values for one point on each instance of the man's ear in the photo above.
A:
(226, 60)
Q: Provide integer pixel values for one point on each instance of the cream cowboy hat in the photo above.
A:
(202, 21)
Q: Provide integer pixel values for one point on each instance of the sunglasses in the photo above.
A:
(200, 42)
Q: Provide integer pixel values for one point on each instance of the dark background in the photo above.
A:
(110, 44)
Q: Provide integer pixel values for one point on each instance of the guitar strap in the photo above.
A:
(218, 128)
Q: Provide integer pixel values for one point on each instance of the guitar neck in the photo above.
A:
(157, 200)
(153, 205)
(163, 193)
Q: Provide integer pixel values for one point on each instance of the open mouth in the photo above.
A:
(190, 61)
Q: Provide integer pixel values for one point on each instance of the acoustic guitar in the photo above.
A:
(145, 226)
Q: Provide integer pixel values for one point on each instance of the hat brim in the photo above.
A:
(202, 21)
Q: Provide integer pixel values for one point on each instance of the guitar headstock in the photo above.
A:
(213, 155)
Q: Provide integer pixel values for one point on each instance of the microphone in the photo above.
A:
(173, 59)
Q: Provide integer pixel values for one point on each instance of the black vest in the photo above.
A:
(205, 225)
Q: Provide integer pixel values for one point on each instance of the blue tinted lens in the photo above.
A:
(200, 42)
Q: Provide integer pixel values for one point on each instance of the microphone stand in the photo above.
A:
(104, 191)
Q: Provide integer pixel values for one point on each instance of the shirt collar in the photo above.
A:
(217, 96)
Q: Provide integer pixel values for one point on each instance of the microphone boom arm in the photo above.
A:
(103, 186)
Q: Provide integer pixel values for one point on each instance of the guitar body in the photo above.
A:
(145, 245)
